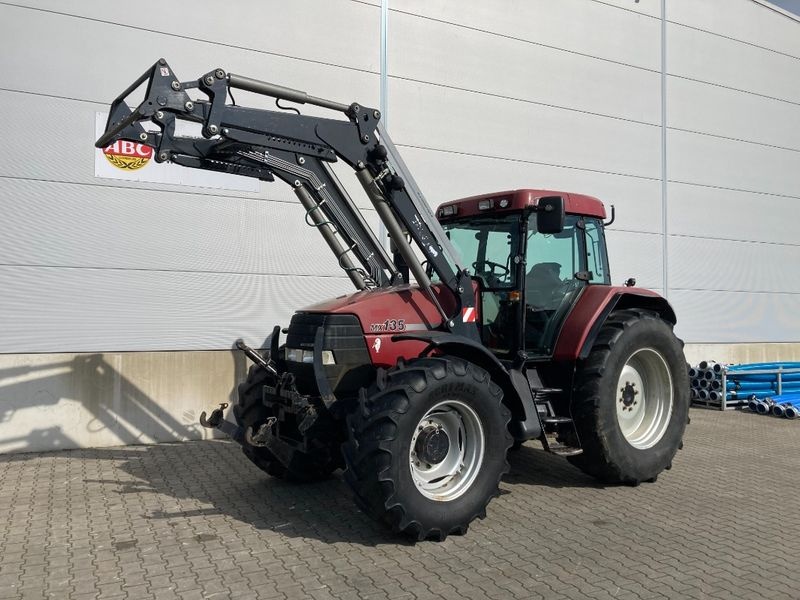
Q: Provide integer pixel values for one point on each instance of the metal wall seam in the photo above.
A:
(384, 62)
(384, 99)
(664, 243)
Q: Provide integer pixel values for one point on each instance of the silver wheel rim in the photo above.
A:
(453, 475)
(644, 398)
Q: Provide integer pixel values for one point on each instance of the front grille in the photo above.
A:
(341, 331)
(342, 335)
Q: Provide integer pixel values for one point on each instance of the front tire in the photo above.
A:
(427, 447)
(631, 402)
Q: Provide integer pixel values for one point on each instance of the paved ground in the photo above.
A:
(196, 520)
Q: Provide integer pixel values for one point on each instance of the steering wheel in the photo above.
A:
(494, 270)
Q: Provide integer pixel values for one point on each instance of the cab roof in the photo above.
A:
(576, 204)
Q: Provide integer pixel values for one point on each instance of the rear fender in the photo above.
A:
(525, 423)
(595, 304)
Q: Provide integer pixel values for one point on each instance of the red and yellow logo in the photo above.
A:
(127, 155)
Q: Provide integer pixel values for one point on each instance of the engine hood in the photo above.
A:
(389, 310)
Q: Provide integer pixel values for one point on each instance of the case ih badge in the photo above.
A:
(127, 155)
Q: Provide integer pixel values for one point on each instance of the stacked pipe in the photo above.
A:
(706, 382)
(761, 390)
(755, 385)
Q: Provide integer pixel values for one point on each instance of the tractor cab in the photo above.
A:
(532, 252)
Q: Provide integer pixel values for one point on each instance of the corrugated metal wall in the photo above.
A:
(96, 265)
(733, 166)
(482, 96)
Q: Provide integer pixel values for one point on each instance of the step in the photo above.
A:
(563, 450)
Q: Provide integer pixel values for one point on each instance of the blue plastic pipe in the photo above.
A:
(763, 366)
(759, 385)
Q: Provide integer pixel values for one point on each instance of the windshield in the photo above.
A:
(487, 245)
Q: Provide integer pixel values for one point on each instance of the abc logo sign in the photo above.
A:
(128, 155)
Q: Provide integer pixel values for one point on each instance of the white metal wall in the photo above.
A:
(482, 96)
(733, 166)
(95, 265)
(569, 95)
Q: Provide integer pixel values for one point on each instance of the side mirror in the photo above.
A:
(550, 214)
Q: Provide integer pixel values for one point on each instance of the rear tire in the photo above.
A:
(427, 447)
(631, 399)
(252, 412)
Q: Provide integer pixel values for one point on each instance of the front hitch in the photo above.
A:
(217, 421)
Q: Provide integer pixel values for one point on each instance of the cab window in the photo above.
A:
(596, 256)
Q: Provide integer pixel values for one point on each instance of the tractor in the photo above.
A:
(474, 328)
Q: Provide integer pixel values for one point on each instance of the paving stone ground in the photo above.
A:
(197, 520)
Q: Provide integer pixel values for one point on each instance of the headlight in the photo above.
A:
(307, 356)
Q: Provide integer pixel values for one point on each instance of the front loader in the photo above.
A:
(487, 324)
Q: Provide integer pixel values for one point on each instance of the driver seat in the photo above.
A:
(541, 281)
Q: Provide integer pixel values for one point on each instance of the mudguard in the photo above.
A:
(592, 309)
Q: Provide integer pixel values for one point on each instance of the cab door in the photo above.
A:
(555, 274)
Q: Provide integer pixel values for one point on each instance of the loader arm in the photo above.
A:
(297, 148)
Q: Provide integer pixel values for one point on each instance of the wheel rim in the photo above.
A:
(446, 451)
(644, 398)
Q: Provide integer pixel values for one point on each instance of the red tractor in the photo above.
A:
(511, 330)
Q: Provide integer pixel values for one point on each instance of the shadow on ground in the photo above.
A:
(203, 479)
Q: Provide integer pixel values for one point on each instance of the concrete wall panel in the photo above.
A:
(59, 401)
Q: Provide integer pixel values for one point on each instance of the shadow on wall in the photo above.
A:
(95, 400)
